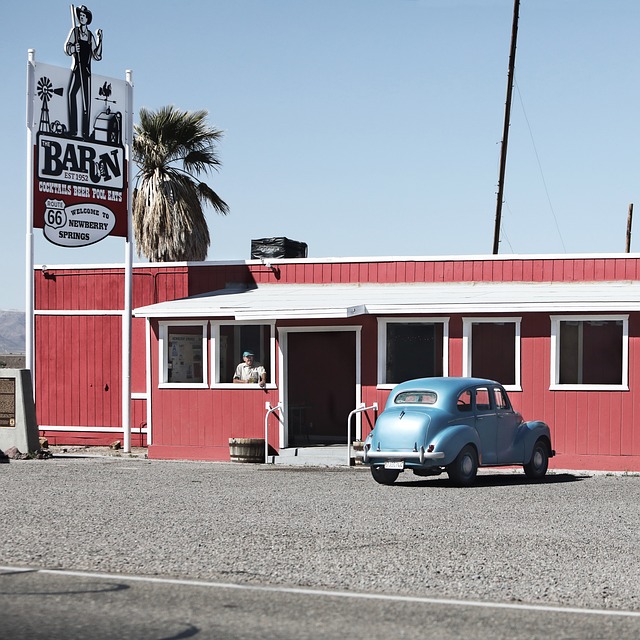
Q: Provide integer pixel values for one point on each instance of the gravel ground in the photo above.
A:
(570, 540)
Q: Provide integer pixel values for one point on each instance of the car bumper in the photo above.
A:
(421, 456)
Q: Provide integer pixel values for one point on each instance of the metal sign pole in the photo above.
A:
(126, 314)
(29, 296)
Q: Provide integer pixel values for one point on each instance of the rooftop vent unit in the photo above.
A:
(269, 248)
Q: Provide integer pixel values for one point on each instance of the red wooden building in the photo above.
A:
(561, 333)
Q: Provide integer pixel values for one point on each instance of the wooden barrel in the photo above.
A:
(246, 449)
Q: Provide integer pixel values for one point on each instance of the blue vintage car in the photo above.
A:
(431, 425)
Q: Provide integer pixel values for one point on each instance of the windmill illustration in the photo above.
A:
(45, 93)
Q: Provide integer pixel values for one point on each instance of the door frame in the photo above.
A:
(283, 373)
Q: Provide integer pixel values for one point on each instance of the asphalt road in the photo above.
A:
(129, 548)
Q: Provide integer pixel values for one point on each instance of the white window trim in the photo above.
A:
(555, 353)
(215, 356)
(467, 324)
(382, 344)
(163, 361)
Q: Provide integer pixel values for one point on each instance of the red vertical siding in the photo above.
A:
(138, 422)
(455, 346)
(611, 438)
(138, 356)
(78, 381)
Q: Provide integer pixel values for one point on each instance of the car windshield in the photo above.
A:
(416, 397)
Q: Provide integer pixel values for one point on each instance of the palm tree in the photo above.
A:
(172, 148)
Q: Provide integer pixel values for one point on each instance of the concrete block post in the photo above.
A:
(18, 426)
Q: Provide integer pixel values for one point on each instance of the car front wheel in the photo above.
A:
(536, 468)
(462, 471)
(384, 476)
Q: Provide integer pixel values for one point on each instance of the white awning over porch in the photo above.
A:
(299, 301)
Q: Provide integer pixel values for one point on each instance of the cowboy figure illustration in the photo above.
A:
(83, 47)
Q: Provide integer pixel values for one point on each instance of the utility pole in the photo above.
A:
(629, 221)
(505, 131)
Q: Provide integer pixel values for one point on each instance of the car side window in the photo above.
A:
(483, 399)
(464, 401)
(501, 400)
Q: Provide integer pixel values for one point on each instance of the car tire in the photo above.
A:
(384, 476)
(537, 467)
(462, 471)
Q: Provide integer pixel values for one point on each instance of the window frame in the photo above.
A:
(382, 344)
(467, 347)
(215, 354)
(555, 384)
(163, 361)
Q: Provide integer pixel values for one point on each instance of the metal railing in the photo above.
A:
(362, 408)
(269, 410)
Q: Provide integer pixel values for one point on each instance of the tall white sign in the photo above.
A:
(79, 129)
(79, 136)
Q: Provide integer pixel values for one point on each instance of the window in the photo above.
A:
(464, 401)
(416, 397)
(483, 399)
(589, 352)
(410, 349)
(233, 339)
(501, 400)
(491, 349)
(183, 354)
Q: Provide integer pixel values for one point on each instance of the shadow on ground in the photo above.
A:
(491, 480)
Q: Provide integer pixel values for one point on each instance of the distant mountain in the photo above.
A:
(12, 331)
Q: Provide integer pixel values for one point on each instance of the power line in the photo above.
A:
(544, 182)
(503, 230)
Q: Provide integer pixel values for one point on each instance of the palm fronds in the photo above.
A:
(171, 148)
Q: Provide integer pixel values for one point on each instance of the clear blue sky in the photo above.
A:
(365, 127)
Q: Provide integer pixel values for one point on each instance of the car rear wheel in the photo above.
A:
(536, 468)
(384, 476)
(462, 471)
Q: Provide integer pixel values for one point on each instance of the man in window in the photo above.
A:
(249, 371)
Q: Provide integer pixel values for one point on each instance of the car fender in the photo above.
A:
(535, 430)
(453, 439)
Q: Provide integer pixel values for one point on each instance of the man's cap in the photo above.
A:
(248, 353)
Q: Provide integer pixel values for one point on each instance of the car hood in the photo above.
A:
(400, 430)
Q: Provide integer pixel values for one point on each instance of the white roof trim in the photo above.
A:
(282, 301)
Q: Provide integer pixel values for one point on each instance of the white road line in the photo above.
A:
(328, 593)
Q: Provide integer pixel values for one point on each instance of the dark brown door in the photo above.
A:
(322, 380)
